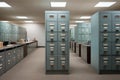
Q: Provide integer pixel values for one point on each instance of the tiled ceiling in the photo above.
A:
(35, 9)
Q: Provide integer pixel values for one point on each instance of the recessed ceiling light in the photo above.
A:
(104, 4)
(58, 4)
(79, 21)
(5, 21)
(4, 4)
(28, 21)
(21, 17)
(85, 17)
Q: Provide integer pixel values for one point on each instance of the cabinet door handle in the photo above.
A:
(1, 64)
(0, 56)
(0, 67)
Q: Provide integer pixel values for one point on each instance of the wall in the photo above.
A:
(36, 31)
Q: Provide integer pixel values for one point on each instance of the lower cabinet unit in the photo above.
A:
(105, 48)
(10, 56)
(2, 63)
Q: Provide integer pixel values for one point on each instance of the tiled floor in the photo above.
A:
(33, 68)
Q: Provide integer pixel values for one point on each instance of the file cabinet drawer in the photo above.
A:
(51, 17)
(105, 63)
(51, 26)
(116, 63)
(51, 37)
(63, 26)
(63, 17)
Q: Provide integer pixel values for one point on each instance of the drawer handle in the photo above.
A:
(51, 27)
(1, 64)
(105, 24)
(52, 44)
(62, 44)
(52, 24)
(62, 24)
(63, 58)
(1, 56)
(1, 67)
(52, 59)
(51, 62)
(105, 58)
(117, 24)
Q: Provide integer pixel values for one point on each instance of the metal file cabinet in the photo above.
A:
(10, 32)
(8, 59)
(2, 62)
(105, 48)
(57, 41)
(5, 27)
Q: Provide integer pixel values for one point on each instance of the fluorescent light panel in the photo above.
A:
(21, 17)
(85, 17)
(28, 21)
(4, 4)
(79, 21)
(104, 4)
(58, 4)
(5, 21)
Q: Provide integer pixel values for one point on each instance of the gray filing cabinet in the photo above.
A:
(2, 62)
(105, 46)
(57, 41)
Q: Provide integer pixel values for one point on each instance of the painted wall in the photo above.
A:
(36, 31)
